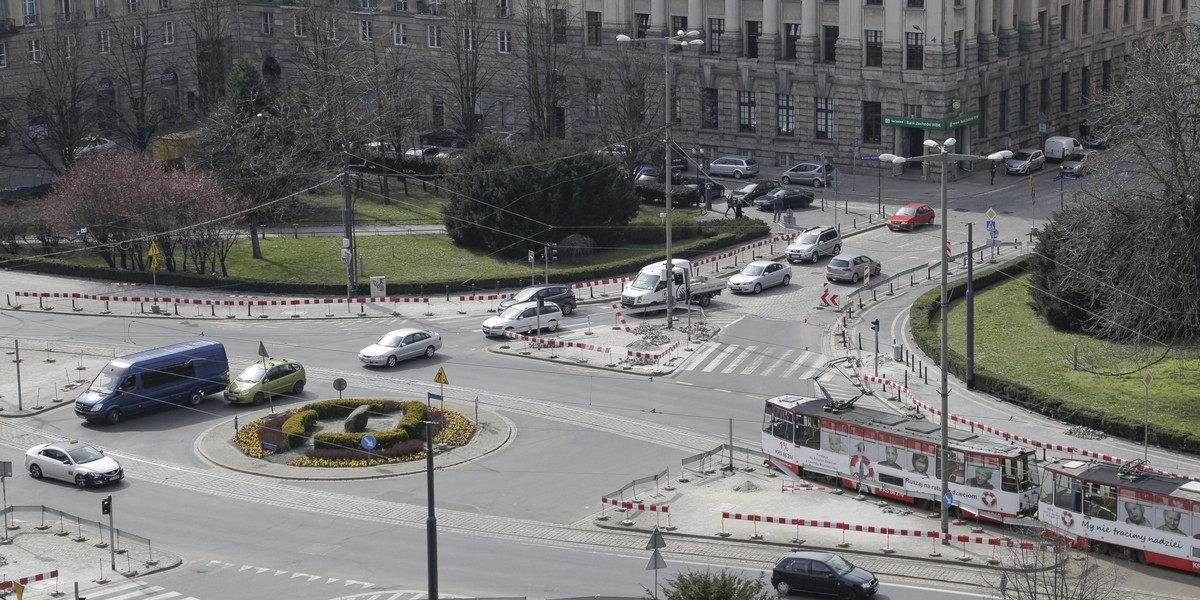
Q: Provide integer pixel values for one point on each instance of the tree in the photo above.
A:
(1132, 246)
(637, 113)
(722, 585)
(1037, 570)
(548, 59)
(129, 62)
(210, 22)
(471, 66)
(509, 199)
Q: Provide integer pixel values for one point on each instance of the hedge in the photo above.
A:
(409, 426)
(926, 319)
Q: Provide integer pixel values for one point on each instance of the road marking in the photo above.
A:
(799, 363)
(754, 365)
(699, 358)
(738, 360)
(720, 357)
(775, 365)
(809, 373)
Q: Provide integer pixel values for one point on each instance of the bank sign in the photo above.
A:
(922, 123)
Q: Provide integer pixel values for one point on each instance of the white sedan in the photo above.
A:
(399, 345)
(72, 461)
(759, 275)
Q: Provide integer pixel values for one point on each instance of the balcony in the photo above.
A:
(7, 27)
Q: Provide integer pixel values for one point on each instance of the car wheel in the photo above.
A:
(113, 416)
(815, 257)
(837, 249)
(429, 352)
(196, 398)
(81, 481)
(552, 327)
(258, 399)
(705, 300)
(786, 280)
(878, 269)
(737, 174)
(818, 183)
(567, 309)
(391, 361)
(298, 388)
(757, 288)
(35, 471)
(783, 588)
(786, 180)
(931, 220)
(854, 278)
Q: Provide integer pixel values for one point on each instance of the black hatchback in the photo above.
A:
(822, 573)
(558, 294)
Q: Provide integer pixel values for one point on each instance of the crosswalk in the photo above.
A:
(768, 361)
(135, 590)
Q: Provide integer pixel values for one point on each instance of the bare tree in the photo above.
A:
(548, 58)
(1034, 568)
(210, 22)
(128, 61)
(470, 69)
(636, 111)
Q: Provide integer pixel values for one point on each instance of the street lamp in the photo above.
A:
(944, 156)
(681, 38)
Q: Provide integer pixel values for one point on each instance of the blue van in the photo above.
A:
(185, 372)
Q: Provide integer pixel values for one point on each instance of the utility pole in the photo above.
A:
(970, 307)
(348, 248)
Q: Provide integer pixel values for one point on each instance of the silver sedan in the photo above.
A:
(759, 275)
(401, 344)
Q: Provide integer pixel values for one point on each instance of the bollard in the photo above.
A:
(844, 543)
(447, 292)
(723, 533)
(460, 307)
(926, 375)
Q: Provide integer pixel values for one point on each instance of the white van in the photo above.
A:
(1059, 147)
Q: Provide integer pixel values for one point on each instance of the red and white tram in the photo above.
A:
(892, 456)
(1145, 515)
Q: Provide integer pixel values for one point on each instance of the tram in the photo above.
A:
(895, 457)
(1123, 509)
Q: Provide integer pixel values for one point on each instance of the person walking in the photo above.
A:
(777, 204)
(992, 168)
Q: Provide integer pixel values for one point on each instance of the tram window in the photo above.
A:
(808, 433)
(1047, 487)
(1100, 501)
(890, 479)
(1066, 493)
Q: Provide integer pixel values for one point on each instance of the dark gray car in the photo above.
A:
(822, 573)
(559, 294)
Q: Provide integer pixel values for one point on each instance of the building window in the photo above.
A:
(3, 64)
(35, 50)
(168, 33)
(138, 38)
(507, 116)
(366, 4)
(958, 48)
(823, 115)
(643, 24)
(104, 37)
(790, 37)
(1044, 92)
(399, 34)
(1166, 7)
(872, 125)
(594, 23)
(267, 24)
(829, 44)
(785, 114)
(1085, 84)
(1107, 17)
(503, 9)
(676, 106)
(753, 32)
(71, 45)
(30, 9)
(1086, 12)
(164, 4)
(558, 25)
(439, 111)
(504, 42)
(592, 90)
(874, 38)
(434, 36)
(131, 6)
(100, 8)
(297, 26)
(1003, 111)
(366, 31)
(1127, 12)
(914, 51)
(1146, 9)
(468, 38)
(1064, 21)
(747, 111)
(679, 23)
(709, 109)
(715, 28)
(1064, 92)
(1023, 105)
(874, 2)
(916, 4)
(1043, 27)
(983, 113)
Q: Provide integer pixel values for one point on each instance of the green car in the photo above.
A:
(266, 378)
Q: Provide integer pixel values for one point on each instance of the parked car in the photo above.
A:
(422, 152)
(814, 174)
(654, 175)
(1059, 147)
(910, 216)
(851, 267)
(93, 143)
(813, 243)
(745, 195)
(822, 573)
(1025, 161)
(679, 161)
(264, 379)
(72, 461)
(1076, 163)
(449, 154)
(792, 198)
(561, 295)
(736, 167)
(401, 344)
(444, 137)
(524, 317)
(759, 275)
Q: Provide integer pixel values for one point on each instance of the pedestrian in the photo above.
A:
(993, 170)
(777, 204)
(737, 209)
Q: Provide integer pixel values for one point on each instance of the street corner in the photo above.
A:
(50, 375)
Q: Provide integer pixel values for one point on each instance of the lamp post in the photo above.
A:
(681, 38)
(944, 156)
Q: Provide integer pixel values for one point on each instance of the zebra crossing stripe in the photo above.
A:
(720, 357)
(775, 365)
(700, 356)
(803, 358)
(809, 373)
(738, 359)
(754, 365)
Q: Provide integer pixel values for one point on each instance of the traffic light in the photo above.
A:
(875, 325)
(552, 249)
(106, 506)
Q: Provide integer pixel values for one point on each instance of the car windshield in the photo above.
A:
(839, 262)
(85, 454)
(840, 565)
(753, 270)
(645, 281)
(252, 374)
(808, 238)
(746, 189)
(107, 380)
(907, 211)
(390, 340)
(1021, 156)
(1076, 157)
(525, 294)
(512, 312)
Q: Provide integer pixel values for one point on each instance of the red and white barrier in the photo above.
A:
(219, 302)
(557, 343)
(621, 318)
(8, 585)
(643, 506)
(828, 299)
(484, 297)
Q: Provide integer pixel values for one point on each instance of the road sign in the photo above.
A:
(869, 157)
(339, 384)
(1066, 176)
(656, 541)
(948, 499)
(856, 144)
(991, 214)
(531, 256)
(153, 263)
(441, 377)
(991, 225)
(1148, 379)
(262, 351)
(368, 442)
(153, 249)
(656, 562)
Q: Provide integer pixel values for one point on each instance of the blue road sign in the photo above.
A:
(991, 225)
(1125, 173)
(948, 499)
(369, 442)
(856, 143)
(870, 157)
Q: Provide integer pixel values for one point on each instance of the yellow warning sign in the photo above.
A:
(441, 377)
(154, 251)
(153, 263)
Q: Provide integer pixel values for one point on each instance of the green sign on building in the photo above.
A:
(922, 123)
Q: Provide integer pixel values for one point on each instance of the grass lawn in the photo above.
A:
(1010, 338)
(418, 207)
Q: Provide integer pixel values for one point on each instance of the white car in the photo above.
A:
(399, 345)
(524, 318)
(93, 143)
(72, 461)
(759, 275)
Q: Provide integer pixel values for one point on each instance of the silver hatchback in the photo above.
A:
(851, 267)
(1025, 161)
(736, 167)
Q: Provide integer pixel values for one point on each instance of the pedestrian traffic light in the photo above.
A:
(552, 250)
(106, 506)
(875, 325)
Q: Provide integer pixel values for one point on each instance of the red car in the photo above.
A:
(910, 216)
